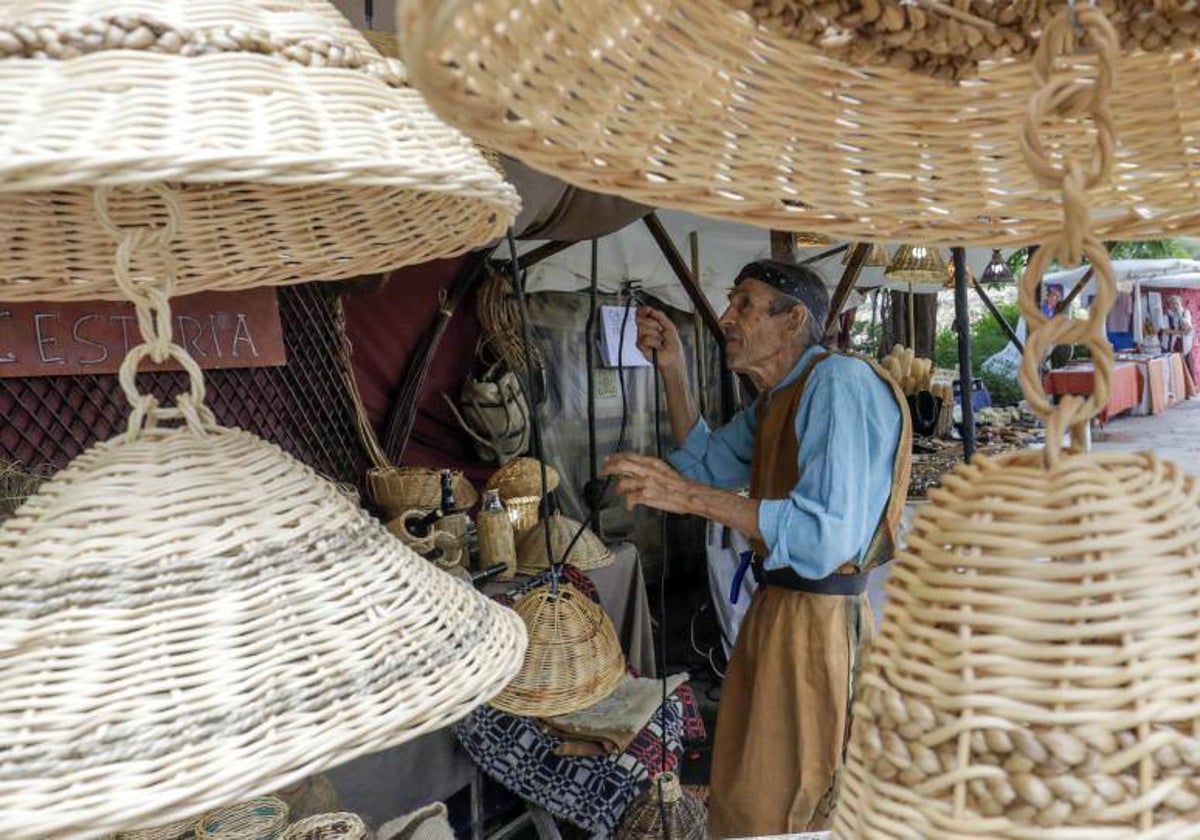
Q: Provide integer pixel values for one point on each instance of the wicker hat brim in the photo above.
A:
(190, 621)
(696, 108)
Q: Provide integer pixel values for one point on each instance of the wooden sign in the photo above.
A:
(219, 330)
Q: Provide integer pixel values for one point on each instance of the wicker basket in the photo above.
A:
(279, 125)
(179, 830)
(573, 660)
(524, 512)
(522, 477)
(401, 489)
(806, 138)
(264, 818)
(687, 818)
(328, 827)
(588, 553)
(1037, 670)
(345, 643)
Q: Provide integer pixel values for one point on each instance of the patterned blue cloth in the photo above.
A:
(848, 425)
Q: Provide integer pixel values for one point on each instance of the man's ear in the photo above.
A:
(797, 318)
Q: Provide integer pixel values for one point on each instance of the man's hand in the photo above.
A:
(643, 480)
(656, 332)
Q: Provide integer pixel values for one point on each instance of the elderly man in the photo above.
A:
(825, 454)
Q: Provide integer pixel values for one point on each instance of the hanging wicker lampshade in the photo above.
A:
(573, 659)
(296, 150)
(917, 264)
(1035, 675)
(687, 818)
(188, 620)
(997, 270)
(588, 553)
(877, 257)
(948, 285)
(761, 111)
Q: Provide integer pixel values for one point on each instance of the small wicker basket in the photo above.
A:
(397, 489)
(523, 511)
(687, 818)
(522, 477)
(341, 826)
(264, 818)
(178, 830)
(573, 659)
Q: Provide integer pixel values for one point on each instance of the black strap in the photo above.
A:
(853, 583)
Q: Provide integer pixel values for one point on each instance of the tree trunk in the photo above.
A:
(895, 323)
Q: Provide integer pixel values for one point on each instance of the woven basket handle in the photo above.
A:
(1069, 89)
(145, 270)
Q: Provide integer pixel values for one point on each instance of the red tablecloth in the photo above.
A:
(1125, 388)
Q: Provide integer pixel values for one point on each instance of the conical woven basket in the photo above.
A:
(692, 104)
(687, 818)
(328, 827)
(240, 622)
(522, 477)
(587, 554)
(296, 151)
(573, 660)
(877, 257)
(259, 819)
(1038, 670)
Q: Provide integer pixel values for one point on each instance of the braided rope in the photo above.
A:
(1065, 95)
(145, 272)
(145, 34)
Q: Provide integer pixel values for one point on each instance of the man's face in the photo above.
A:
(1175, 306)
(1053, 297)
(752, 334)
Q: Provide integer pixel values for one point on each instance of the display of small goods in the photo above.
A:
(911, 373)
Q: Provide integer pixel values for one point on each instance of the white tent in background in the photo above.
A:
(631, 254)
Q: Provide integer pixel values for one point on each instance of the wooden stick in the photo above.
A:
(957, 14)
(403, 413)
(846, 285)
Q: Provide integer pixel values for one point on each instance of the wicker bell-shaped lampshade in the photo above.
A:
(187, 620)
(687, 818)
(1037, 673)
(573, 660)
(295, 150)
(917, 264)
(877, 257)
(806, 114)
(588, 553)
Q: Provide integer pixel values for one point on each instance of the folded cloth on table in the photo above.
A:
(609, 727)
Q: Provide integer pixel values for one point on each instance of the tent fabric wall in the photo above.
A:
(1191, 302)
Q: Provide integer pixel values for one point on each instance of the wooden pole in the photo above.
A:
(698, 332)
(691, 285)
(593, 317)
(783, 246)
(962, 323)
(911, 302)
(845, 286)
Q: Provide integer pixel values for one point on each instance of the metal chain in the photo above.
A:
(1070, 90)
(145, 271)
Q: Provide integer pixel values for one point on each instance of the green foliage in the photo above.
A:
(863, 339)
(987, 339)
(1153, 249)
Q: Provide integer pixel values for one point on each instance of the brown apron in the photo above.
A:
(785, 702)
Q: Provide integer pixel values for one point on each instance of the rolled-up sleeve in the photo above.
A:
(718, 458)
(848, 426)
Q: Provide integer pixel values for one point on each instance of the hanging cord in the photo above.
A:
(535, 424)
(662, 605)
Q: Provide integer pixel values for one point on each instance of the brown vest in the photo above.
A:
(774, 471)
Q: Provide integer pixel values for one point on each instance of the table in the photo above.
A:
(433, 768)
(1125, 387)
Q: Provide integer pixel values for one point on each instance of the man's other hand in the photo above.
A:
(656, 332)
(643, 480)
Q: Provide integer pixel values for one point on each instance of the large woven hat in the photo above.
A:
(522, 477)
(187, 620)
(573, 659)
(588, 553)
(696, 105)
(297, 152)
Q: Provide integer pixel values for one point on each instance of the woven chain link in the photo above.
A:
(145, 271)
(1068, 91)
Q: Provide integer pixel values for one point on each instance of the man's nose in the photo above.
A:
(726, 319)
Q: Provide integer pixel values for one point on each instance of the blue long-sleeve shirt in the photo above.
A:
(848, 425)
